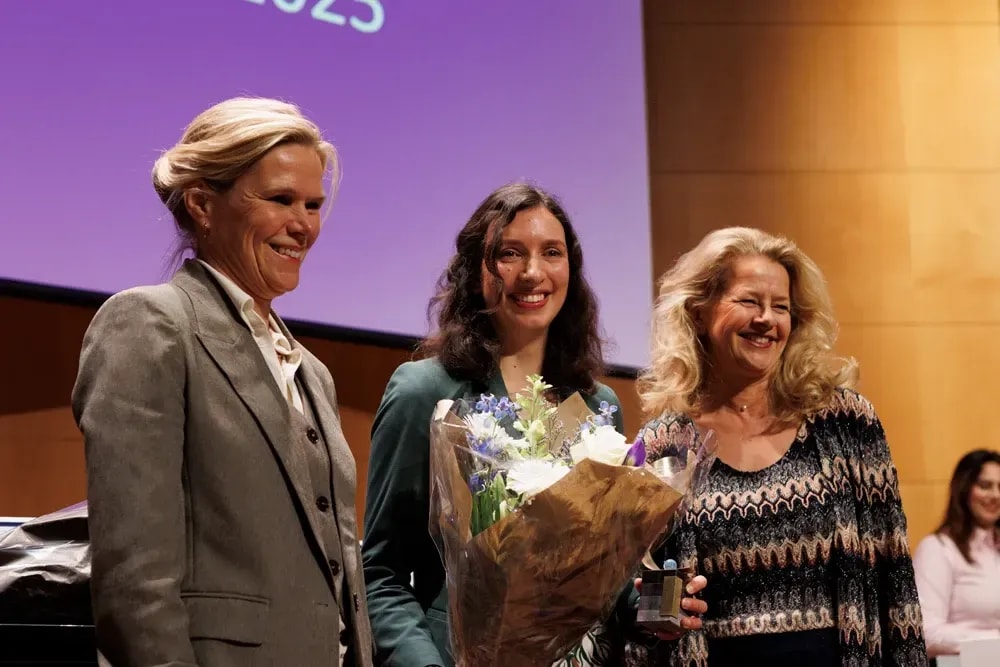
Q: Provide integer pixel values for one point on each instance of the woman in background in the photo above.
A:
(958, 566)
(799, 525)
(513, 302)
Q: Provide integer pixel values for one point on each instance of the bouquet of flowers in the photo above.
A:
(542, 514)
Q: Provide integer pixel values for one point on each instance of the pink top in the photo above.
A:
(959, 600)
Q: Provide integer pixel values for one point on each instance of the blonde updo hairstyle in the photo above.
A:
(809, 370)
(225, 141)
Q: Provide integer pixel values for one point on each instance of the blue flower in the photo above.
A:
(501, 408)
(486, 447)
(487, 403)
(481, 479)
(505, 408)
(476, 483)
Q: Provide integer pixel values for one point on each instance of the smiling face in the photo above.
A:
(984, 496)
(533, 264)
(747, 326)
(259, 231)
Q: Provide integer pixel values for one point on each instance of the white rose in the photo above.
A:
(604, 445)
(533, 476)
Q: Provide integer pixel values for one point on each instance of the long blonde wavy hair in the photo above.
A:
(809, 370)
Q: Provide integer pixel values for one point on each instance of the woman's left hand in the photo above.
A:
(693, 606)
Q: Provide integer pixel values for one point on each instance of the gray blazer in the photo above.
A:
(204, 530)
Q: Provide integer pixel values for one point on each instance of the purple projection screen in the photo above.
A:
(431, 104)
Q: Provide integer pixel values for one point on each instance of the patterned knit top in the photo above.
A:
(764, 540)
(816, 540)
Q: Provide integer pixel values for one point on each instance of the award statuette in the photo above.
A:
(660, 598)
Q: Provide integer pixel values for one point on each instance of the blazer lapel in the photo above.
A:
(229, 342)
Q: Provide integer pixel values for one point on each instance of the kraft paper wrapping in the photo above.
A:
(527, 589)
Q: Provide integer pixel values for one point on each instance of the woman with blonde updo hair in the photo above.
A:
(798, 526)
(220, 486)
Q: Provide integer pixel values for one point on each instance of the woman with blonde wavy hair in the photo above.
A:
(799, 526)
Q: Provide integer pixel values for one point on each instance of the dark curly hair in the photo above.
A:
(466, 341)
(958, 520)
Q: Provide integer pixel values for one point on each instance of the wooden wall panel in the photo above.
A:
(949, 84)
(731, 98)
(955, 246)
(41, 462)
(924, 503)
(41, 348)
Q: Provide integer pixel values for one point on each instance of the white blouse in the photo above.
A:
(959, 600)
(281, 358)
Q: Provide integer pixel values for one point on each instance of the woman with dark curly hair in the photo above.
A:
(513, 302)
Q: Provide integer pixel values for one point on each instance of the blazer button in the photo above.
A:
(323, 503)
(312, 435)
(334, 567)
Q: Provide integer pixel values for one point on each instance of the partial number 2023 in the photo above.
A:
(322, 11)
